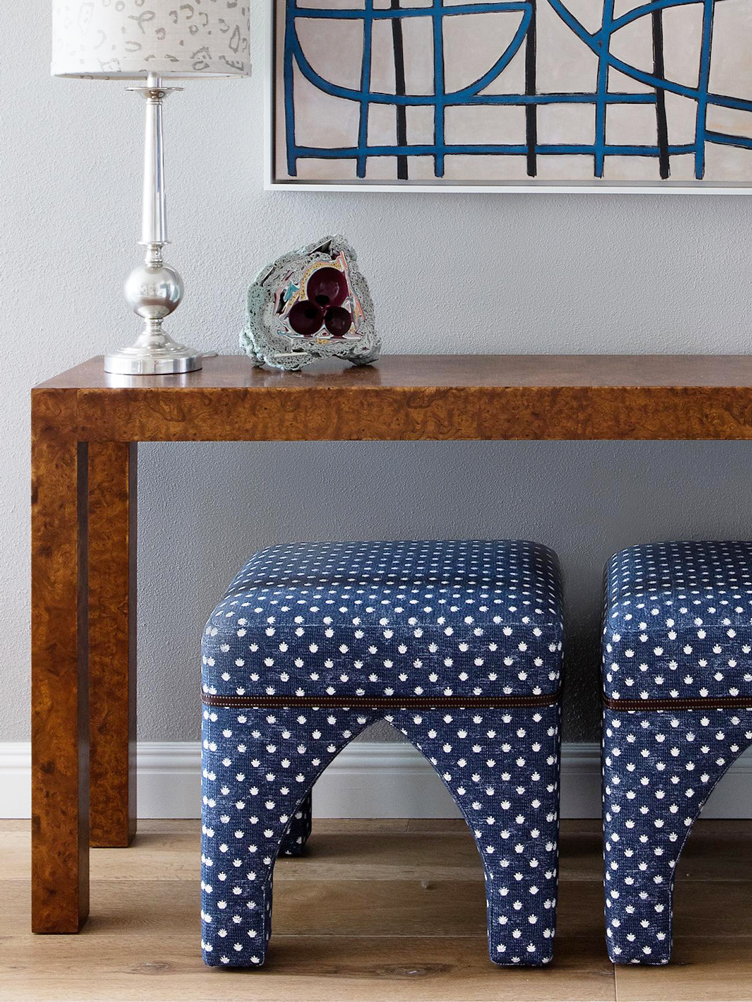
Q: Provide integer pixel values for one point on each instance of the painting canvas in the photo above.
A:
(452, 93)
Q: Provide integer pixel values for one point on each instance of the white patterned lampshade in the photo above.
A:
(130, 38)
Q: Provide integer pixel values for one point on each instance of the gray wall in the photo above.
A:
(449, 273)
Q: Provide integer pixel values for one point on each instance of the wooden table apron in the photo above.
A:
(85, 431)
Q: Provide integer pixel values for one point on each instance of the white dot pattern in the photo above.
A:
(678, 621)
(384, 620)
(659, 768)
(389, 619)
(501, 767)
(677, 625)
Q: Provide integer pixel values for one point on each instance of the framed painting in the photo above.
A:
(551, 95)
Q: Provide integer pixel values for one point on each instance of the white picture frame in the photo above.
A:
(273, 182)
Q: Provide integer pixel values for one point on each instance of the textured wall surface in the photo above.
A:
(449, 273)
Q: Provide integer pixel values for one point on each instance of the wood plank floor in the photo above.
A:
(378, 911)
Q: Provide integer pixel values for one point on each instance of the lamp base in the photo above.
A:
(152, 361)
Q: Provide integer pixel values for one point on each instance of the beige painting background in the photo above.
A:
(472, 43)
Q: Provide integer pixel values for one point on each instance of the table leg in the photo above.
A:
(59, 667)
(112, 641)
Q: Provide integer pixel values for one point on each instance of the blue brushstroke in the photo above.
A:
(702, 88)
(292, 166)
(365, 87)
(438, 86)
(602, 87)
(722, 139)
(515, 149)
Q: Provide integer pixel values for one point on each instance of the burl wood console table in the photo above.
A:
(85, 430)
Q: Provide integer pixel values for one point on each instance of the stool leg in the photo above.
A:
(659, 768)
(258, 766)
(502, 769)
(294, 842)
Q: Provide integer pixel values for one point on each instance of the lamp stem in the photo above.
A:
(153, 289)
(154, 219)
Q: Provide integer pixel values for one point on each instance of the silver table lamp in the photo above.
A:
(148, 41)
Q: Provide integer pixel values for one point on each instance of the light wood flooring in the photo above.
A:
(378, 911)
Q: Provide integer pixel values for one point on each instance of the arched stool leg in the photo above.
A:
(258, 766)
(293, 844)
(502, 769)
(659, 768)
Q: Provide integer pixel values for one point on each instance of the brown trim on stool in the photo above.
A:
(689, 703)
(384, 702)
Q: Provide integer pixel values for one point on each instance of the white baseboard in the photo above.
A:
(368, 779)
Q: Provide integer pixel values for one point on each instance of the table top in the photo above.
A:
(237, 372)
(419, 397)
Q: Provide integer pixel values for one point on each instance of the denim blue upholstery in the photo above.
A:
(659, 768)
(677, 628)
(678, 621)
(501, 767)
(389, 619)
(400, 624)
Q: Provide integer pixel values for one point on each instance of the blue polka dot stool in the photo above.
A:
(456, 644)
(677, 680)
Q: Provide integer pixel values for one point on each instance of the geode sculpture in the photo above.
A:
(311, 303)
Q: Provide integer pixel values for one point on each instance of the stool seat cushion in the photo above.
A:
(389, 619)
(678, 622)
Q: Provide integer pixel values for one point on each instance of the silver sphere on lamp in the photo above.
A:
(153, 290)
